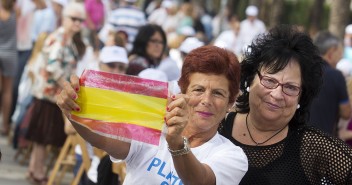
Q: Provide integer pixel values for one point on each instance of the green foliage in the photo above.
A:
(299, 12)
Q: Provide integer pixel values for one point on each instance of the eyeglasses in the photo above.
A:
(74, 19)
(155, 41)
(121, 67)
(272, 83)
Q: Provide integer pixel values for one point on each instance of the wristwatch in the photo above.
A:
(185, 150)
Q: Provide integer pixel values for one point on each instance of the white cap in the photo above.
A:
(187, 31)
(190, 44)
(113, 54)
(153, 74)
(63, 3)
(348, 29)
(168, 3)
(252, 10)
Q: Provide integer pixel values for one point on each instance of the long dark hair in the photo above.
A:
(140, 43)
(80, 46)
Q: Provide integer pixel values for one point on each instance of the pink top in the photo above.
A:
(95, 11)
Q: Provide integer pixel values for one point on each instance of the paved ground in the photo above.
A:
(11, 172)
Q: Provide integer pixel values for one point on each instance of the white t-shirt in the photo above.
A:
(148, 164)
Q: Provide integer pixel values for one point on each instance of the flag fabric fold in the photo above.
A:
(121, 107)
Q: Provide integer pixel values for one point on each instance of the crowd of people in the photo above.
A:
(250, 105)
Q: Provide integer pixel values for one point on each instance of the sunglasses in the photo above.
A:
(74, 19)
(155, 41)
(121, 67)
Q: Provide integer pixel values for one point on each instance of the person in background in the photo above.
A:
(169, 66)
(44, 19)
(280, 76)
(188, 45)
(250, 28)
(24, 45)
(332, 102)
(25, 97)
(345, 126)
(148, 48)
(127, 18)
(153, 74)
(220, 21)
(58, 6)
(228, 38)
(62, 50)
(185, 47)
(8, 60)
(191, 151)
(94, 22)
(119, 38)
(347, 53)
(185, 16)
(160, 15)
(113, 59)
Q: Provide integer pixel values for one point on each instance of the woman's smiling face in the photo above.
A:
(209, 94)
(274, 104)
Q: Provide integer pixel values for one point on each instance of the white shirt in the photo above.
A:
(149, 164)
(24, 24)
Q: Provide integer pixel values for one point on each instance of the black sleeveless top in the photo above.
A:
(305, 156)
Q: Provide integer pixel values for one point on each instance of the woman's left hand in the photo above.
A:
(176, 117)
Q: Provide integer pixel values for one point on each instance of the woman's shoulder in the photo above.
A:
(319, 141)
(328, 156)
(134, 57)
(226, 125)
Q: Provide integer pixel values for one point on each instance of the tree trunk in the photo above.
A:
(272, 12)
(315, 17)
(339, 17)
(233, 6)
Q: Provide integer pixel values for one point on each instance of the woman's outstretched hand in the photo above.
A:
(68, 95)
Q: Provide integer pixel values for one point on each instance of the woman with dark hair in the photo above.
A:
(191, 151)
(280, 76)
(8, 60)
(148, 48)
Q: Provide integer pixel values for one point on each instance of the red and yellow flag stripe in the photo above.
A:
(121, 106)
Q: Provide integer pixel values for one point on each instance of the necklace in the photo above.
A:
(260, 143)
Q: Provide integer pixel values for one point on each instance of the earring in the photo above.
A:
(247, 89)
(298, 106)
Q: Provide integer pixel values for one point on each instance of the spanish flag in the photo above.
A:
(121, 107)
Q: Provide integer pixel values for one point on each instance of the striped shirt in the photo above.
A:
(128, 19)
